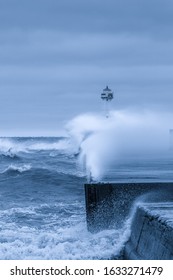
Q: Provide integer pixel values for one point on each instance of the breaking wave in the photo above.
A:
(17, 168)
(9, 147)
(42, 146)
(100, 141)
(12, 147)
(62, 243)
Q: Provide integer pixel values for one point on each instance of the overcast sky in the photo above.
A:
(56, 56)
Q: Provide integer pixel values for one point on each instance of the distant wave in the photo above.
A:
(17, 168)
(13, 146)
(10, 147)
(45, 173)
(41, 146)
(9, 155)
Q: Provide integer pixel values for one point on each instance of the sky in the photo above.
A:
(56, 56)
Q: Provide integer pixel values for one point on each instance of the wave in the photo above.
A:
(9, 155)
(44, 146)
(69, 243)
(17, 168)
(44, 172)
(11, 147)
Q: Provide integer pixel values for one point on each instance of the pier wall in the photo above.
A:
(151, 233)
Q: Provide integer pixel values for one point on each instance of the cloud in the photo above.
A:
(50, 48)
(59, 55)
(117, 16)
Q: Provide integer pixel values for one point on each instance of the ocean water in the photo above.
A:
(42, 203)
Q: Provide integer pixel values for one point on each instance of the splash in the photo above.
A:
(99, 141)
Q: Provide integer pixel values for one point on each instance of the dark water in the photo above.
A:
(42, 208)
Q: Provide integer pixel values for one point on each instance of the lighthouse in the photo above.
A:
(107, 96)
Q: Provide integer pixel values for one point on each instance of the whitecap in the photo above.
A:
(17, 168)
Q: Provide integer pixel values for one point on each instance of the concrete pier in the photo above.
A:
(108, 205)
(151, 233)
(99, 205)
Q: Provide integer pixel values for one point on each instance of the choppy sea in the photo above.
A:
(42, 203)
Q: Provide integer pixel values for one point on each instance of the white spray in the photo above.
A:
(98, 141)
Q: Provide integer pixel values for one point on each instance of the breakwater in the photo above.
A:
(151, 233)
(151, 208)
